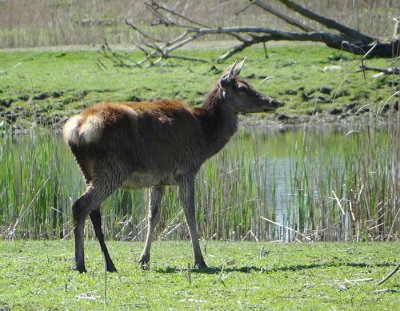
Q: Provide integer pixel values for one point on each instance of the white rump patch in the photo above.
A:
(70, 130)
(89, 131)
(92, 128)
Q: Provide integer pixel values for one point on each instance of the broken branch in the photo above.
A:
(280, 15)
(389, 276)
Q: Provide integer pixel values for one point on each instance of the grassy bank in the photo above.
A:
(245, 276)
(41, 88)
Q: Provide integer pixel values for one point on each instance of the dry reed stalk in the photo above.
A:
(85, 23)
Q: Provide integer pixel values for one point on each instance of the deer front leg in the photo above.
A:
(187, 189)
(156, 193)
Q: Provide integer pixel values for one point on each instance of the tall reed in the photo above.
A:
(330, 185)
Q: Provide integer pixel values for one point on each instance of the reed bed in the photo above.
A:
(79, 22)
(311, 185)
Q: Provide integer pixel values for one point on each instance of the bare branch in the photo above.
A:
(390, 275)
(155, 50)
(389, 71)
(327, 22)
(282, 16)
(193, 59)
(235, 50)
(145, 35)
(156, 7)
(244, 8)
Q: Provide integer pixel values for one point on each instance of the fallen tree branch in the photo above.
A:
(389, 276)
(156, 9)
(384, 72)
(155, 50)
(280, 15)
(327, 22)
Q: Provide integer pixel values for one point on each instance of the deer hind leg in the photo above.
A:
(95, 216)
(97, 190)
(187, 197)
(156, 193)
(80, 209)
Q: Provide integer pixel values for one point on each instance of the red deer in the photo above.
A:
(153, 144)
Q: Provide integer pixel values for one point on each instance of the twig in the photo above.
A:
(189, 274)
(383, 72)
(155, 7)
(145, 35)
(364, 58)
(11, 234)
(171, 227)
(287, 228)
(250, 232)
(385, 290)
(338, 202)
(359, 280)
(244, 8)
(327, 22)
(390, 97)
(284, 17)
(389, 276)
(220, 277)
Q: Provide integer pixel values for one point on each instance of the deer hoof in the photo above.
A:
(144, 262)
(111, 268)
(80, 269)
(200, 264)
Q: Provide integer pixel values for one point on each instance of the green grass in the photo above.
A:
(42, 87)
(243, 276)
(39, 180)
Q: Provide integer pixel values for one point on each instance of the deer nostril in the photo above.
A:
(276, 104)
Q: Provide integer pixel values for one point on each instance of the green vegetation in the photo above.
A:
(245, 276)
(41, 88)
(326, 185)
(338, 184)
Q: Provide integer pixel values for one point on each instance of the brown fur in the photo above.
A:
(152, 144)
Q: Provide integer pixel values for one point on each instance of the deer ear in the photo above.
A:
(228, 75)
(224, 81)
(230, 70)
(238, 68)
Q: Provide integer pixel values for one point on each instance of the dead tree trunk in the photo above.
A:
(337, 36)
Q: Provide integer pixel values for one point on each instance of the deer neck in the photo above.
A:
(217, 120)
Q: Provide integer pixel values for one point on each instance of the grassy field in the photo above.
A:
(243, 276)
(42, 87)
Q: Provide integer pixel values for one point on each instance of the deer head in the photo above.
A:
(240, 96)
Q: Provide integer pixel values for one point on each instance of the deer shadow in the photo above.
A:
(249, 269)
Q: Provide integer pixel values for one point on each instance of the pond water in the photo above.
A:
(321, 184)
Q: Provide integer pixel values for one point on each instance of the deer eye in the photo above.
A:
(242, 88)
